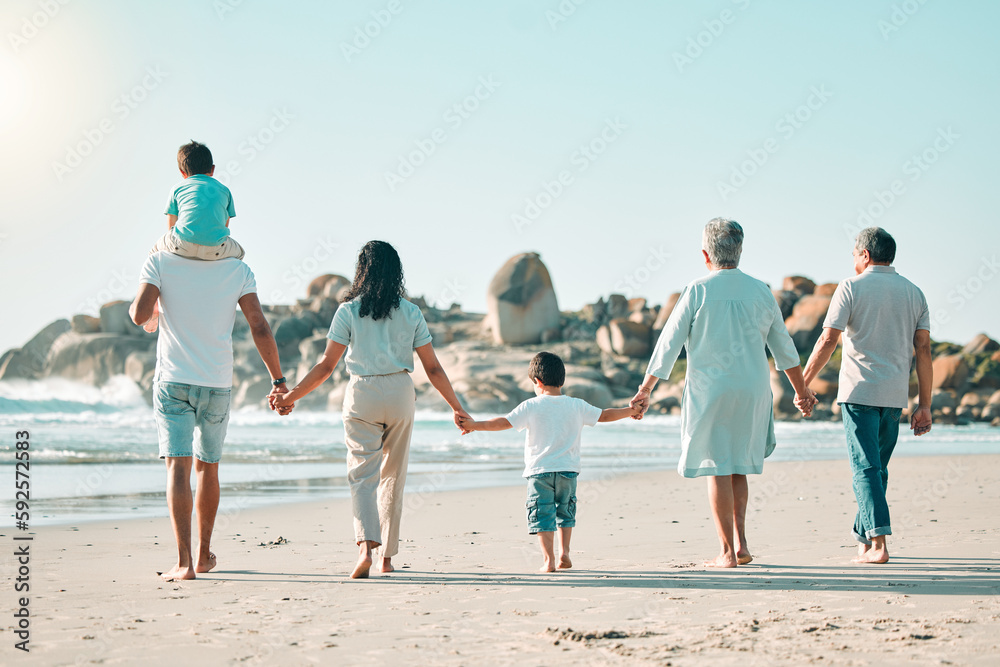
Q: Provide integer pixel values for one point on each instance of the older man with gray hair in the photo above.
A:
(885, 320)
(725, 320)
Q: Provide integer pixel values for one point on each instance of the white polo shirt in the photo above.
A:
(879, 311)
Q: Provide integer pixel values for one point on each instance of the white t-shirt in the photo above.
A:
(554, 423)
(198, 302)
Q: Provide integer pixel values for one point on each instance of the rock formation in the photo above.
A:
(521, 303)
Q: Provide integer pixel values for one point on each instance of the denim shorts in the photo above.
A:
(181, 411)
(551, 501)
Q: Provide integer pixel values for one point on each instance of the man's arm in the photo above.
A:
(262, 336)
(614, 414)
(145, 302)
(821, 353)
(920, 421)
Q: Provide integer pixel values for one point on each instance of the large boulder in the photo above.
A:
(786, 301)
(624, 337)
(798, 284)
(826, 289)
(93, 358)
(291, 331)
(950, 372)
(980, 344)
(992, 409)
(594, 392)
(28, 362)
(326, 285)
(618, 306)
(783, 394)
(116, 320)
(664, 314)
(806, 321)
(521, 302)
(86, 324)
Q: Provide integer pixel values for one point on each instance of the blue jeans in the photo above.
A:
(871, 437)
(551, 501)
(180, 410)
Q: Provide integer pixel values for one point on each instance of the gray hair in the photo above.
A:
(879, 243)
(723, 241)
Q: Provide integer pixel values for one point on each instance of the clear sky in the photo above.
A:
(466, 132)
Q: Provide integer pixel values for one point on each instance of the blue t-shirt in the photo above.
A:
(202, 206)
(383, 347)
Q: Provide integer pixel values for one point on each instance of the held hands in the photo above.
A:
(805, 404)
(639, 403)
(277, 401)
(462, 421)
(920, 421)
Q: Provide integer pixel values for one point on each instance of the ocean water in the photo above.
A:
(94, 453)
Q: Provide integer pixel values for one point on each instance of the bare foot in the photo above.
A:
(873, 556)
(743, 558)
(564, 562)
(177, 573)
(386, 566)
(362, 568)
(548, 567)
(723, 560)
(206, 565)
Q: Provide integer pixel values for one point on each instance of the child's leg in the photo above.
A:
(231, 249)
(542, 515)
(164, 243)
(565, 488)
(564, 535)
(547, 541)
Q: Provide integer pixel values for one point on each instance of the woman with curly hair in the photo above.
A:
(380, 330)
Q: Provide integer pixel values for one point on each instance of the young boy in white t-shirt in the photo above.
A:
(551, 452)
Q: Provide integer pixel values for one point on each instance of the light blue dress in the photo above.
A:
(727, 420)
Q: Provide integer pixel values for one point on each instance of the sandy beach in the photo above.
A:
(466, 592)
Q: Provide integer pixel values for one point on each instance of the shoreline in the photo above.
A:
(466, 591)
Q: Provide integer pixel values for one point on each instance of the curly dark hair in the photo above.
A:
(378, 280)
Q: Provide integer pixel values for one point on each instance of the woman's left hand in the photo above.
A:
(458, 417)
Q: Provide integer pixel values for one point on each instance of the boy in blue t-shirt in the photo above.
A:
(551, 452)
(198, 214)
(199, 210)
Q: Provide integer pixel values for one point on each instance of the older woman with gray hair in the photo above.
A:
(725, 320)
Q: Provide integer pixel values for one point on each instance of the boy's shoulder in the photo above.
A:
(547, 402)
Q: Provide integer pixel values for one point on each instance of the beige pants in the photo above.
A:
(378, 422)
(170, 243)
